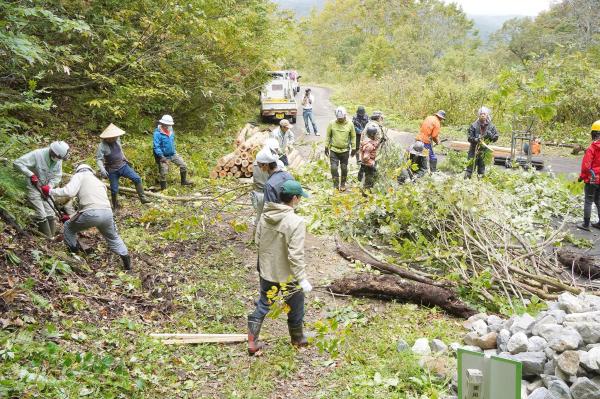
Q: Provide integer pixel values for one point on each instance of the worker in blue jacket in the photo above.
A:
(164, 151)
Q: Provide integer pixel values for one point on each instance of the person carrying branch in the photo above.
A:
(285, 136)
(377, 122)
(94, 211)
(164, 151)
(43, 167)
(280, 238)
(429, 133)
(340, 145)
(416, 163)
(590, 174)
(368, 154)
(480, 133)
(113, 164)
(359, 121)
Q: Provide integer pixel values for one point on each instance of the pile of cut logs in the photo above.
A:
(239, 163)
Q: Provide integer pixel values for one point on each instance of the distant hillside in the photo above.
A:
(485, 24)
(488, 24)
(301, 7)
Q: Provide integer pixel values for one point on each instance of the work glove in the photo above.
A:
(104, 173)
(327, 152)
(64, 218)
(45, 190)
(163, 159)
(35, 180)
(476, 140)
(305, 285)
(352, 153)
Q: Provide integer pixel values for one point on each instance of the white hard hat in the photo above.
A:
(111, 131)
(272, 144)
(265, 156)
(60, 149)
(340, 112)
(84, 166)
(167, 120)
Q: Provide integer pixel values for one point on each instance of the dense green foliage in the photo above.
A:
(411, 58)
(80, 65)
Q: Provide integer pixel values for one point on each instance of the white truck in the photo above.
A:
(278, 97)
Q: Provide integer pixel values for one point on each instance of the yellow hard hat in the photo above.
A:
(596, 126)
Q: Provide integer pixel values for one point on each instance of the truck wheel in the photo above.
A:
(292, 119)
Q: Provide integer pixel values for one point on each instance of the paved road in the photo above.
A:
(324, 112)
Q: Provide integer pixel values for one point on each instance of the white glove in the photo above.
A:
(104, 173)
(305, 285)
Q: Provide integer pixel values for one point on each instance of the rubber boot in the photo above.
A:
(254, 346)
(585, 225)
(343, 185)
(361, 173)
(336, 183)
(52, 225)
(126, 262)
(114, 201)
(163, 185)
(44, 228)
(140, 191)
(184, 181)
(297, 335)
(433, 165)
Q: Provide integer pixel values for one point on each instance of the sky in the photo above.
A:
(502, 7)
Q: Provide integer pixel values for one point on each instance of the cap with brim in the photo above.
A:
(111, 131)
(416, 151)
(292, 187)
(441, 114)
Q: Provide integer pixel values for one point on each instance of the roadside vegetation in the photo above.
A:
(411, 59)
(76, 326)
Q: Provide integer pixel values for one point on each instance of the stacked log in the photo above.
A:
(250, 139)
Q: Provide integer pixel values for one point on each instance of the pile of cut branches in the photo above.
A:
(495, 242)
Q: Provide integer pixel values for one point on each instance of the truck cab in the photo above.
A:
(278, 97)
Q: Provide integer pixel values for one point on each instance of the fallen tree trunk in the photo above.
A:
(10, 220)
(395, 288)
(349, 253)
(582, 265)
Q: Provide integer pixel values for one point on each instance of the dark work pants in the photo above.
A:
(370, 175)
(592, 196)
(339, 160)
(284, 159)
(295, 302)
(475, 161)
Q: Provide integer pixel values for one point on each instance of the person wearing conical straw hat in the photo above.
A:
(113, 164)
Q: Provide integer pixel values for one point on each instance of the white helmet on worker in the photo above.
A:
(60, 149)
(340, 113)
(273, 145)
(166, 120)
(265, 156)
(82, 167)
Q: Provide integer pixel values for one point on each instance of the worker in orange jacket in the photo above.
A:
(430, 132)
